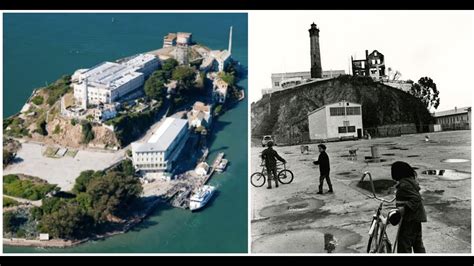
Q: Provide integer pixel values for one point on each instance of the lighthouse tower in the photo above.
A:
(316, 70)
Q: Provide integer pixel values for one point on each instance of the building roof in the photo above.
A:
(140, 60)
(455, 111)
(170, 36)
(200, 106)
(162, 137)
(110, 75)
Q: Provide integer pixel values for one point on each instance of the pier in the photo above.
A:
(180, 194)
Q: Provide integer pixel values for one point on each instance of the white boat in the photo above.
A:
(222, 165)
(200, 197)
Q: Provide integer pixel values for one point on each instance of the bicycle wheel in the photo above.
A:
(285, 176)
(257, 179)
(385, 246)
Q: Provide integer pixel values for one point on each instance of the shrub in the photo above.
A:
(57, 129)
(87, 133)
(27, 189)
(38, 100)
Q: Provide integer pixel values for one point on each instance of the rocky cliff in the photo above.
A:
(285, 111)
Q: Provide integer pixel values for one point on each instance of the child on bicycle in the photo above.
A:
(269, 156)
(410, 205)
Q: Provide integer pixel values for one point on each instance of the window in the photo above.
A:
(353, 110)
(373, 61)
(337, 111)
(375, 53)
(277, 84)
(362, 64)
(351, 129)
(342, 130)
(378, 61)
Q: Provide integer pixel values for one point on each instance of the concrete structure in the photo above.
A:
(107, 82)
(202, 169)
(219, 90)
(184, 38)
(288, 79)
(160, 153)
(373, 65)
(316, 69)
(457, 118)
(200, 115)
(169, 40)
(105, 112)
(335, 121)
(222, 59)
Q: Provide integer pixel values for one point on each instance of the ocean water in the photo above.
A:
(39, 48)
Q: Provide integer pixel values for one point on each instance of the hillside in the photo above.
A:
(381, 105)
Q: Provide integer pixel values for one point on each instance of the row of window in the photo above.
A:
(146, 159)
(447, 120)
(345, 129)
(153, 165)
(342, 111)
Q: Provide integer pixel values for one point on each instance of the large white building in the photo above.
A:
(160, 152)
(107, 82)
(335, 121)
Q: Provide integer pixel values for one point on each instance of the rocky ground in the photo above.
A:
(294, 219)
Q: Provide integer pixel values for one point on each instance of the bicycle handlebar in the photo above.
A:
(374, 196)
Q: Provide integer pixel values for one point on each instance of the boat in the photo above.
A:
(201, 197)
(221, 167)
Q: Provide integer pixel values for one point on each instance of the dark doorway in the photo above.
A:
(359, 133)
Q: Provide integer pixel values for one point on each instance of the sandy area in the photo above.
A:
(293, 218)
(61, 171)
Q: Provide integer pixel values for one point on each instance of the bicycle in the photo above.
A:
(258, 179)
(378, 238)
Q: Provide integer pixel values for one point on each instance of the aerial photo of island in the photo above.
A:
(125, 133)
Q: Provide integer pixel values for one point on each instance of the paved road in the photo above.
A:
(293, 218)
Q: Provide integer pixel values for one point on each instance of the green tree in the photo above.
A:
(7, 157)
(38, 100)
(111, 193)
(41, 126)
(427, 92)
(70, 221)
(168, 66)
(82, 181)
(11, 222)
(229, 78)
(155, 86)
(185, 76)
(87, 133)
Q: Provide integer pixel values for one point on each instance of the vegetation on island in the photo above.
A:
(58, 89)
(9, 202)
(99, 202)
(8, 157)
(27, 188)
(87, 133)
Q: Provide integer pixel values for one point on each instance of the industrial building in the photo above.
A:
(454, 119)
(373, 65)
(336, 121)
(107, 82)
(160, 153)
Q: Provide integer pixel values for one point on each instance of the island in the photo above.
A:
(115, 141)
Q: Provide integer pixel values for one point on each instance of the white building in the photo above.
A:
(220, 88)
(335, 121)
(105, 112)
(169, 40)
(185, 38)
(143, 63)
(202, 169)
(108, 82)
(200, 115)
(222, 59)
(160, 153)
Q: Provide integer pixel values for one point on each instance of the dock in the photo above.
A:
(216, 162)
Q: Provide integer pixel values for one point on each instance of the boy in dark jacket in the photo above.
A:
(410, 206)
(269, 156)
(324, 168)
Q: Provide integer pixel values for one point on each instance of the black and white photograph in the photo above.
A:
(360, 131)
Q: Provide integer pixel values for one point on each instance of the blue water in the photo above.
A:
(39, 48)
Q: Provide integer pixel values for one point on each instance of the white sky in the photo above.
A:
(437, 44)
